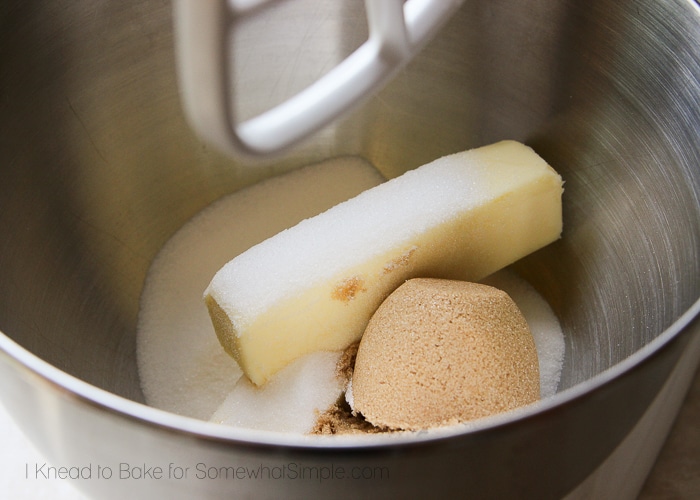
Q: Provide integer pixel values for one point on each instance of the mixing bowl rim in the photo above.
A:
(139, 413)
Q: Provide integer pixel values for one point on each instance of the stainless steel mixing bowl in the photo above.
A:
(98, 168)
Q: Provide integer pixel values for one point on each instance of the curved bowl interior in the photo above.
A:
(99, 167)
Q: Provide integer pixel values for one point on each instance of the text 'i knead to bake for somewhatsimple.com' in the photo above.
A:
(203, 471)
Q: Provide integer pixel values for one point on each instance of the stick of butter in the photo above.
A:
(314, 286)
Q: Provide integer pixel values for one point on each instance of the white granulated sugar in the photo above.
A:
(290, 402)
(543, 323)
(337, 239)
(349, 398)
(182, 367)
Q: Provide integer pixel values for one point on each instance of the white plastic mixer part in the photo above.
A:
(397, 30)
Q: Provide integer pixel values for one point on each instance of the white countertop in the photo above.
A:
(16, 454)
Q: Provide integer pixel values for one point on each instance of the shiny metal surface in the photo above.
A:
(98, 168)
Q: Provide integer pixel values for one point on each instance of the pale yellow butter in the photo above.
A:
(314, 287)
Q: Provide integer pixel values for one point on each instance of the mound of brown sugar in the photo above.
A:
(440, 352)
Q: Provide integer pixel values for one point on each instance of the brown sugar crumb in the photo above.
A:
(400, 261)
(347, 289)
(339, 419)
(346, 363)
